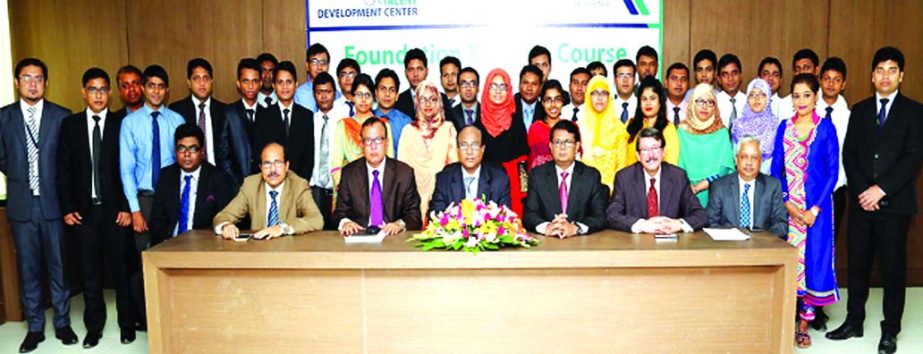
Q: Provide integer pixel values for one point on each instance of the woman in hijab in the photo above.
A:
(553, 98)
(652, 114)
(758, 120)
(347, 139)
(504, 139)
(604, 138)
(706, 154)
(427, 144)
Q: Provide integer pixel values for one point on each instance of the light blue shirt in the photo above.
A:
(304, 96)
(135, 141)
(398, 120)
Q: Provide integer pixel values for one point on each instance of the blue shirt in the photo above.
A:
(135, 141)
(398, 120)
(304, 96)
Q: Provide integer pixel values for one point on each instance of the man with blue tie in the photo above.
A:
(29, 132)
(528, 108)
(469, 178)
(145, 148)
(624, 79)
(387, 86)
(469, 111)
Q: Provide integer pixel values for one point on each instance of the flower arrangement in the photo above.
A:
(473, 226)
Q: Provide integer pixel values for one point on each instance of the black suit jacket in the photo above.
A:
(219, 133)
(493, 183)
(214, 191)
(460, 119)
(629, 198)
(299, 143)
(240, 134)
(889, 157)
(398, 188)
(405, 103)
(537, 116)
(769, 212)
(75, 186)
(586, 198)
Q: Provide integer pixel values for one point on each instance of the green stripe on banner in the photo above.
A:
(641, 7)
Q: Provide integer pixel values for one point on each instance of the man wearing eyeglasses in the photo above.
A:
(29, 132)
(565, 196)
(469, 111)
(347, 70)
(376, 193)
(317, 61)
(287, 123)
(469, 178)
(624, 78)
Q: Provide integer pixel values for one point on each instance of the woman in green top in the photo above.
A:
(705, 143)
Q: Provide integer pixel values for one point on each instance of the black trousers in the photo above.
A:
(886, 234)
(839, 209)
(324, 200)
(96, 235)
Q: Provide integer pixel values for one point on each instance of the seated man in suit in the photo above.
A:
(469, 178)
(565, 196)
(748, 199)
(375, 191)
(277, 200)
(189, 192)
(652, 196)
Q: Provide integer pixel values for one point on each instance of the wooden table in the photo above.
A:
(608, 292)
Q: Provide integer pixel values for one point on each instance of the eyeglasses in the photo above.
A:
(755, 95)
(182, 149)
(29, 79)
(270, 164)
(363, 95)
(316, 61)
(469, 146)
(624, 76)
(376, 141)
(347, 74)
(428, 99)
(498, 87)
(468, 84)
(95, 90)
(703, 103)
(551, 100)
(599, 94)
(563, 143)
(650, 150)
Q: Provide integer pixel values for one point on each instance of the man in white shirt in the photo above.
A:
(731, 100)
(770, 70)
(267, 95)
(579, 79)
(805, 61)
(833, 106)
(677, 84)
(325, 121)
(624, 78)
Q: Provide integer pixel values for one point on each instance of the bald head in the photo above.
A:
(470, 148)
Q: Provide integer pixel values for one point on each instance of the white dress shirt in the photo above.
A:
(683, 109)
(209, 135)
(888, 107)
(193, 189)
(261, 99)
(102, 127)
(840, 119)
(39, 108)
(581, 228)
(775, 103)
(567, 112)
(632, 106)
(750, 195)
(253, 107)
(724, 105)
(318, 126)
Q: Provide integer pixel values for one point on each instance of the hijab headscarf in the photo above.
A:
(695, 125)
(428, 126)
(760, 125)
(497, 118)
(595, 120)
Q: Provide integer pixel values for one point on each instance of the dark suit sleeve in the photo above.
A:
(850, 154)
(344, 204)
(616, 214)
(501, 187)
(239, 145)
(778, 160)
(596, 215)
(714, 207)
(905, 170)
(223, 152)
(531, 210)
(441, 195)
(778, 216)
(411, 204)
(692, 209)
(65, 159)
(226, 189)
(159, 223)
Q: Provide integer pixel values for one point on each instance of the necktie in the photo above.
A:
(529, 113)
(624, 112)
(745, 207)
(574, 117)
(733, 111)
(184, 206)
(97, 141)
(32, 150)
(323, 166)
(562, 192)
(285, 121)
(883, 114)
(273, 210)
(202, 126)
(469, 194)
(352, 106)
(268, 100)
(829, 113)
(675, 115)
(250, 113)
(155, 149)
(376, 212)
(652, 201)
(470, 114)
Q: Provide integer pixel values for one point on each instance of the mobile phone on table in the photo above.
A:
(243, 237)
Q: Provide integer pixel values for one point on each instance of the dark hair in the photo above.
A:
(766, 61)
(805, 53)
(469, 69)
(637, 123)
(655, 133)
(805, 78)
(530, 69)
(364, 80)
(835, 64)
(581, 70)
(449, 60)
(198, 63)
(188, 130)
(322, 79)
(728, 59)
(95, 73)
(316, 49)
(677, 66)
(412, 54)
(348, 63)
(646, 51)
(537, 51)
(624, 62)
(387, 74)
(286, 66)
(155, 71)
(127, 69)
(267, 57)
(705, 54)
(372, 121)
(883, 54)
(30, 62)
(565, 125)
(596, 65)
(555, 84)
(248, 63)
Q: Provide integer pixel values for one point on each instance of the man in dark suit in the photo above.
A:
(241, 116)
(748, 199)
(131, 92)
(93, 203)
(469, 111)
(652, 196)
(190, 192)
(377, 192)
(566, 197)
(208, 113)
(881, 156)
(469, 178)
(415, 70)
(287, 123)
(29, 132)
(528, 107)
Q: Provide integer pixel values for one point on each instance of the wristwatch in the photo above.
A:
(286, 229)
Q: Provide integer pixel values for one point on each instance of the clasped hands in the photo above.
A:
(661, 225)
(869, 199)
(560, 227)
(390, 229)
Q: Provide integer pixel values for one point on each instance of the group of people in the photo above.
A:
(350, 153)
